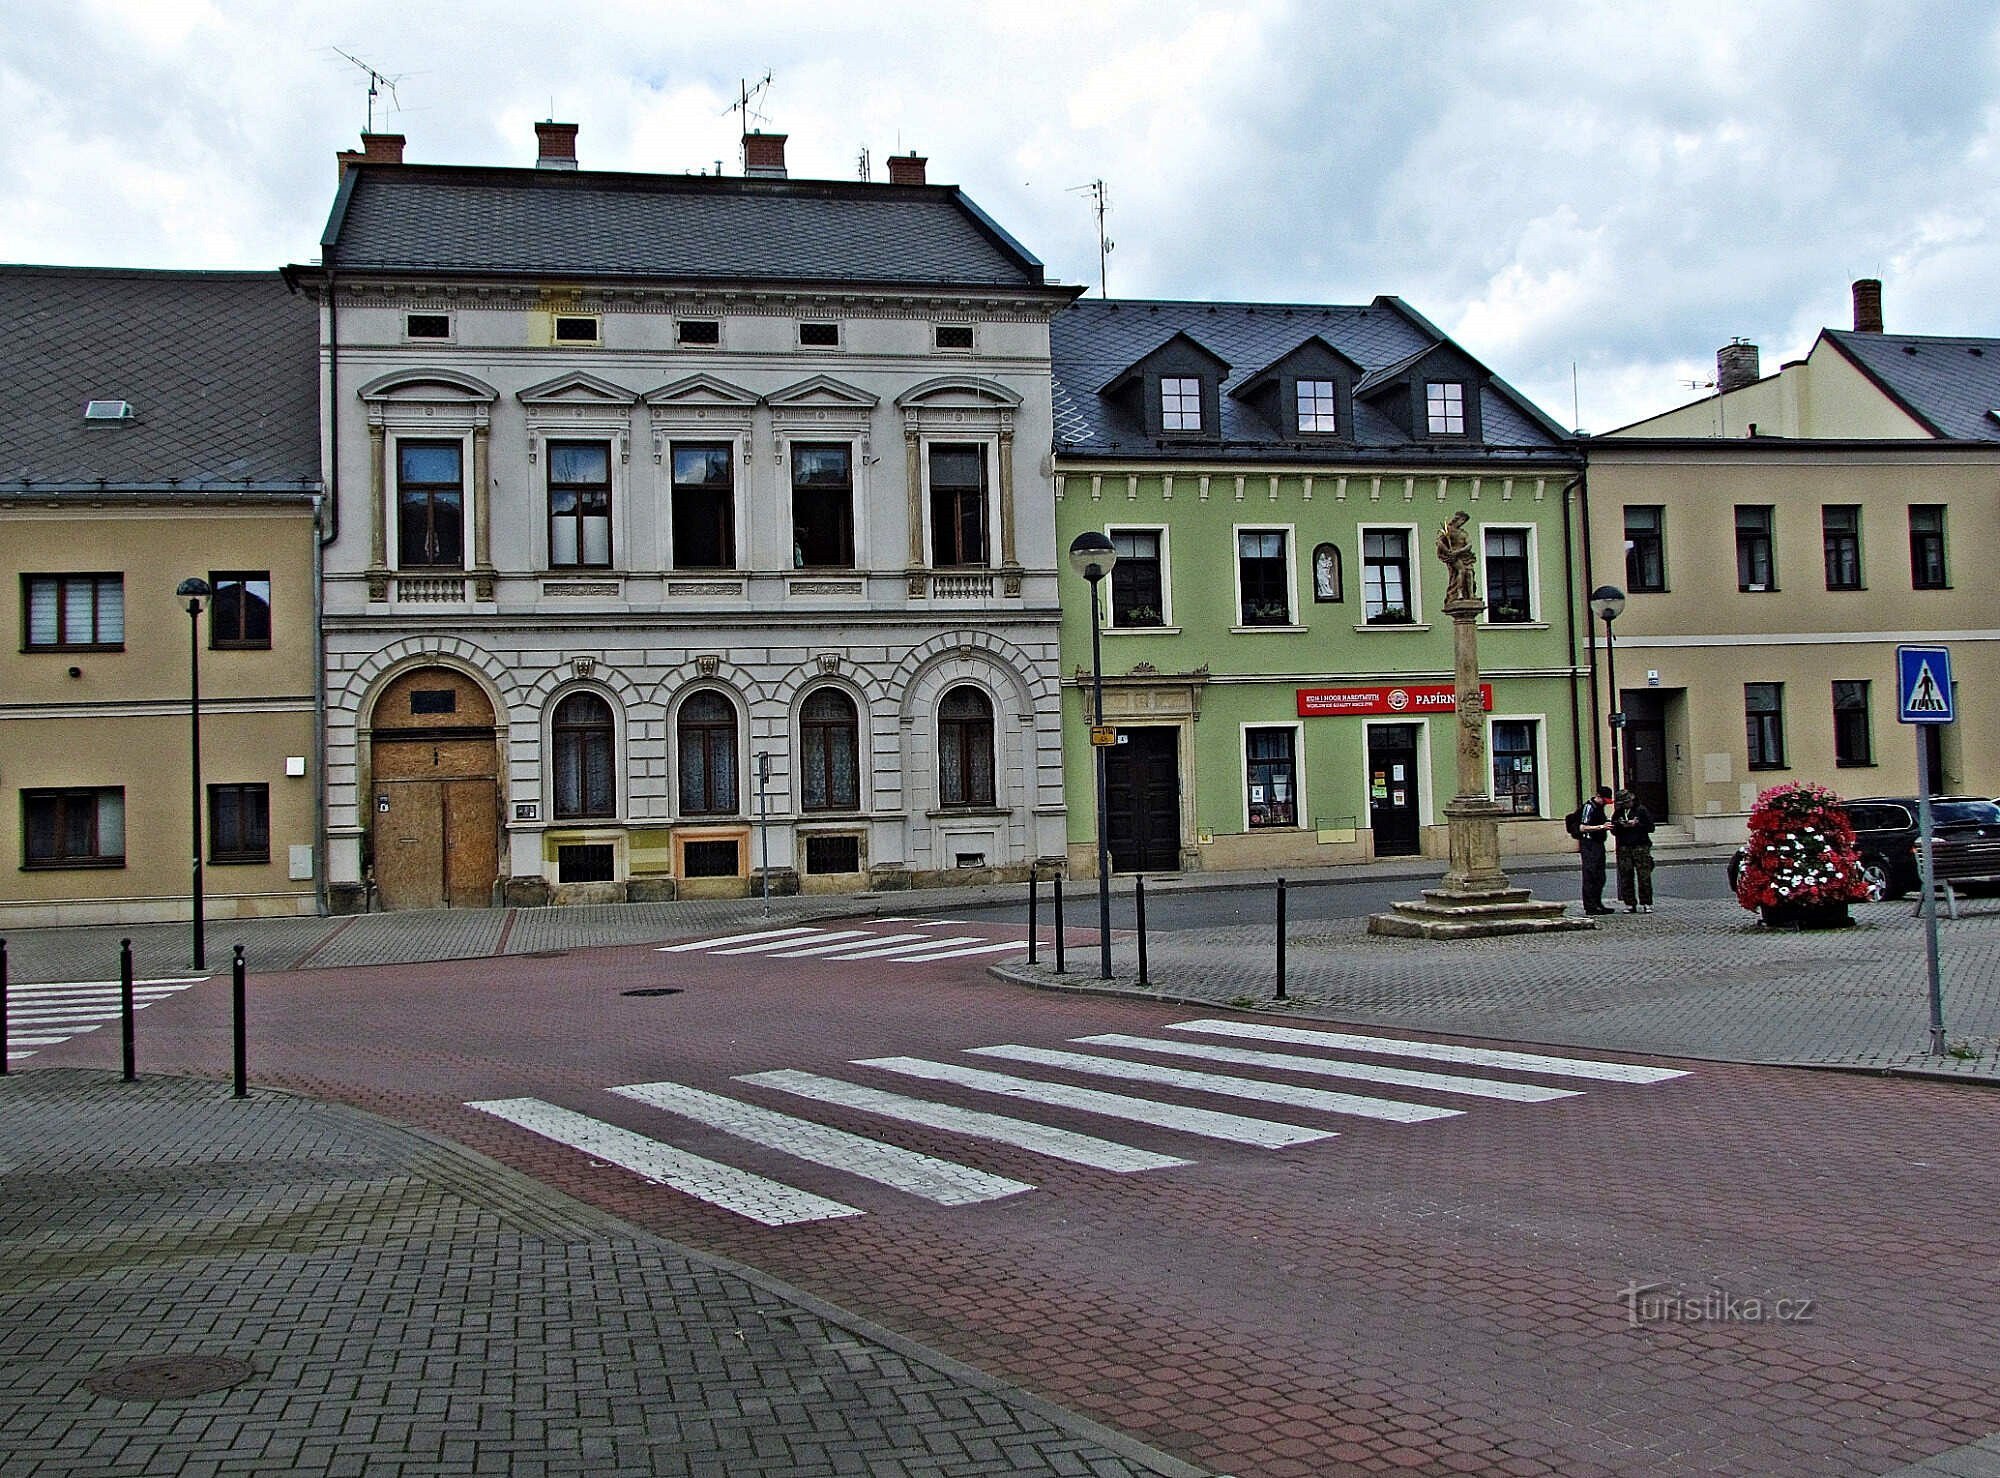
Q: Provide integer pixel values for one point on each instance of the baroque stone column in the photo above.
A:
(482, 521)
(378, 534)
(913, 476)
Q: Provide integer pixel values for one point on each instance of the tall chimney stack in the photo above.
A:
(907, 169)
(376, 148)
(1868, 305)
(556, 145)
(764, 156)
(1735, 366)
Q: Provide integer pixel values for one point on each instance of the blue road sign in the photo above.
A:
(1923, 685)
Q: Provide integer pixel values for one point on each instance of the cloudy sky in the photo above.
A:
(1620, 187)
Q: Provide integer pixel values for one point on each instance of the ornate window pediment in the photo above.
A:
(822, 392)
(697, 391)
(576, 389)
(428, 386)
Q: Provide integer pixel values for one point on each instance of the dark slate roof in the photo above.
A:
(1093, 339)
(595, 224)
(222, 369)
(1951, 385)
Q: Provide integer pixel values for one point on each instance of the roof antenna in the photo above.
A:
(862, 165)
(748, 96)
(376, 84)
(1100, 202)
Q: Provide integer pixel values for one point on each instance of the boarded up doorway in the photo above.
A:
(435, 811)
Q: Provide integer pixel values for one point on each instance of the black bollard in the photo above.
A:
(1139, 907)
(1034, 892)
(3, 1008)
(1281, 939)
(242, 1055)
(125, 1009)
(1059, 925)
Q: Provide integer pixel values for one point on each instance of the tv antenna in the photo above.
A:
(748, 97)
(1100, 202)
(377, 83)
(861, 165)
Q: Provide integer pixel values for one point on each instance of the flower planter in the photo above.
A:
(1805, 916)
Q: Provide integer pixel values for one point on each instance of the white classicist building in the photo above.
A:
(664, 505)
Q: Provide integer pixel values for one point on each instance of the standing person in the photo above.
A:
(1593, 824)
(1632, 829)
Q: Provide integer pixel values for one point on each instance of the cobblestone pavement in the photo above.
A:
(1699, 977)
(406, 1308)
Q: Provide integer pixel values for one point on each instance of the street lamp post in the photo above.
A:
(1607, 603)
(194, 589)
(1092, 555)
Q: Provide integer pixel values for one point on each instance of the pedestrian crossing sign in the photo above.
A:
(1923, 685)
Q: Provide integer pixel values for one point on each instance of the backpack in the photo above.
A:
(1573, 822)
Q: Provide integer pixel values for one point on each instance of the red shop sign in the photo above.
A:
(1412, 698)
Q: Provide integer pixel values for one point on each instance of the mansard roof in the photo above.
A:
(220, 369)
(434, 220)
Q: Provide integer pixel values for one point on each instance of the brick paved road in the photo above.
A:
(1450, 1295)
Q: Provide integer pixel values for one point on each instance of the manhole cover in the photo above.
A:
(653, 990)
(171, 1378)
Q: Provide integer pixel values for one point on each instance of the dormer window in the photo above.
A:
(1316, 408)
(1444, 407)
(1180, 404)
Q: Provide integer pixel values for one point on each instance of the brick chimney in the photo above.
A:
(907, 169)
(764, 156)
(1735, 366)
(1868, 305)
(376, 148)
(556, 145)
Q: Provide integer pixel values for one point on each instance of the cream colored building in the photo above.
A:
(161, 427)
(1776, 542)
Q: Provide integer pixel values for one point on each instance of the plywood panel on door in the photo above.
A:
(472, 842)
(409, 843)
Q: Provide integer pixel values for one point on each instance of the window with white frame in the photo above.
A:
(1180, 404)
(1509, 576)
(1271, 777)
(1386, 595)
(430, 504)
(1263, 577)
(1138, 580)
(704, 512)
(958, 505)
(1517, 781)
(579, 504)
(1316, 407)
(822, 506)
(1444, 407)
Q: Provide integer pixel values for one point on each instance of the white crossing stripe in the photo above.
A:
(904, 1170)
(29, 996)
(854, 936)
(1041, 1139)
(12, 1054)
(734, 939)
(94, 991)
(1393, 1110)
(821, 949)
(1330, 1067)
(768, 1201)
(167, 980)
(1206, 1122)
(41, 1039)
(67, 1014)
(940, 923)
(865, 952)
(1524, 1062)
(954, 954)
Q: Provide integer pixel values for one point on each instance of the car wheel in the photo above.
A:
(1876, 873)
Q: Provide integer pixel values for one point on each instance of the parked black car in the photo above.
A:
(1885, 830)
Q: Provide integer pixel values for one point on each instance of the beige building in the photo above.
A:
(160, 427)
(1776, 541)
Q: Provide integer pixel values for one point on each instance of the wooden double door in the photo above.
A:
(1142, 801)
(434, 793)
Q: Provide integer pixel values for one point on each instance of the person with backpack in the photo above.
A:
(1632, 829)
(1590, 825)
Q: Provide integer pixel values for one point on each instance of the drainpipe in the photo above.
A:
(332, 530)
(319, 710)
(1571, 488)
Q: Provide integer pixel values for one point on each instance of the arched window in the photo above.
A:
(829, 753)
(708, 756)
(965, 748)
(586, 782)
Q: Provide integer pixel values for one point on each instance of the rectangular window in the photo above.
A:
(1645, 549)
(1263, 582)
(586, 862)
(1927, 567)
(576, 328)
(430, 505)
(1316, 408)
(239, 609)
(1853, 745)
(699, 332)
(1444, 408)
(1271, 773)
(1180, 404)
(1840, 533)
(73, 611)
(1764, 724)
(1138, 591)
(239, 823)
(427, 326)
(579, 504)
(710, 860)
(1508, 598)
(819, 336)
(1754, 567)
(958, 505)
(704, 506)
(822, 507)
(1385, 577)
(73, 828)
(1517, 782)
(833, 854)
(954, 335)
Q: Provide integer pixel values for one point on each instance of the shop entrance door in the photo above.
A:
(1394, 802)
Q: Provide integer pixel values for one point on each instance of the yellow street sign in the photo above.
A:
(1103, 738)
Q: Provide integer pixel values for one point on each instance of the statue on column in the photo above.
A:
(1460, 562)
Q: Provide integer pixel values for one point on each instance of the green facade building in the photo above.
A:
(1276, 663)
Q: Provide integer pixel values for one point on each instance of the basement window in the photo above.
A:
(590, 863)
(699, 332)
(710, 860)
(825, 854)
(576, 328)
(427, 325)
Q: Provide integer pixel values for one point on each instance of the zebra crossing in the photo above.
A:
(905, 941)
(47, 1014)
(1287, 1113)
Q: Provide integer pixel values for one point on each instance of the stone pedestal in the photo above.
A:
(1476, 899)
